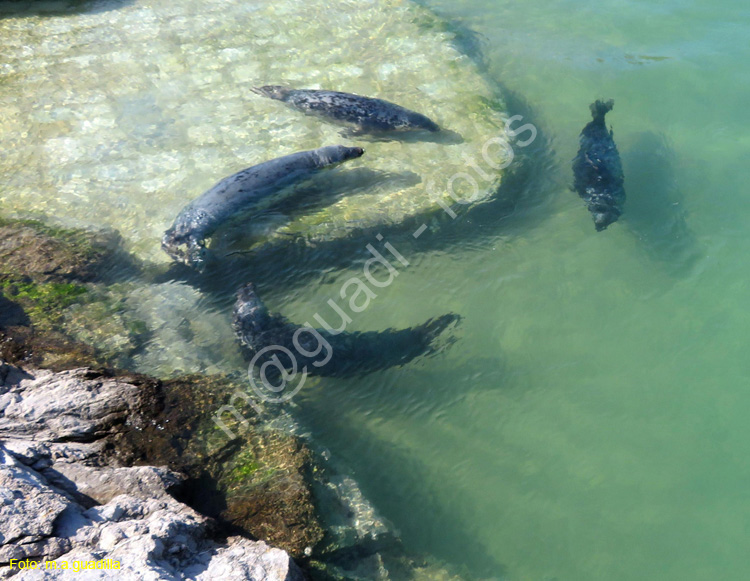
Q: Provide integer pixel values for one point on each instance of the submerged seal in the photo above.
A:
(598, 171)
(243, 191)
(363, 114)
(271, 341)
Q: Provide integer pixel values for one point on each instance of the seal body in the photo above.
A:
(363, 114)
(240, 192)
(272, 341)
(598, 171)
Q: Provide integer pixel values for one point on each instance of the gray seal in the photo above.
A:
(598, 171)
(271, 341)
(241, 192)
(364, 114)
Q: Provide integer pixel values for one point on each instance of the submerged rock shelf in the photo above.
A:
(117, 118)
(120, 117)
(99, 464)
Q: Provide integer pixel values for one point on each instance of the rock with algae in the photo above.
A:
(54, 295)
(33, 250)
(67, 499)
(139, 110)
(257, 480)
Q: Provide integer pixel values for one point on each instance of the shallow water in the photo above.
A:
(591, 421)
(120, 117)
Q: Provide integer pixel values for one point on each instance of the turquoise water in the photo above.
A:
(591, 421)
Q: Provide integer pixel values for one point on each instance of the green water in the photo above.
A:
(591, 421)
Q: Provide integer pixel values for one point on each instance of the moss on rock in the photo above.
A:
(257, 482)
(55, 278)
(42, 253)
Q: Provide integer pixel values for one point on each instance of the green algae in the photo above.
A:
(47, 271)
(79, 243)
(244, 471)
(247, 469)
(44, 303)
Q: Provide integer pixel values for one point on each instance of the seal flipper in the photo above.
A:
(600, 108)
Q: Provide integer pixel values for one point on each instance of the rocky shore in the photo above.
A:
(102, 466)
(67, 499)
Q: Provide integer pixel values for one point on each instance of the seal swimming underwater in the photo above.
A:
(364, 114)
(598, 170)
(270, 340)
(242, 191)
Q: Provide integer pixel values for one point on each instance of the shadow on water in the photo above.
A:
(444, 136)
(21, 8)
(521, 202)
(331, 187)
(386, 488)
(655, 209)
(326, 189)
(424, 389)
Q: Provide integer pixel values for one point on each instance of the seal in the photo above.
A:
(363, 114)
(270, 340)
(243, 191)
(597, 169)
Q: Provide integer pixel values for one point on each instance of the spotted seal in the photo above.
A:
(240, 192)
(597, 169)
(365, 115)
(271, 341)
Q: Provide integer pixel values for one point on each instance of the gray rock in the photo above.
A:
(28, 510)
(99, 485)
(162, 539)
(65, 502)
(76, 405)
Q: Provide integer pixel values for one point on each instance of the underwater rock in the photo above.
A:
(267, 492)
(598, 170)
(131, 139)
(255, 480)
(51, 350)
(31, 249)
(363, 114)
(270, 339)
(56, 300)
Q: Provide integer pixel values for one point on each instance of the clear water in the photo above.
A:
(591, 421)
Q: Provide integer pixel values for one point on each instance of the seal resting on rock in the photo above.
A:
(598, 171)
(271, 341)
(240, 192)
(363, 114)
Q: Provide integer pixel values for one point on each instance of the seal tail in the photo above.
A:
(600, 108)
(272, 91)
